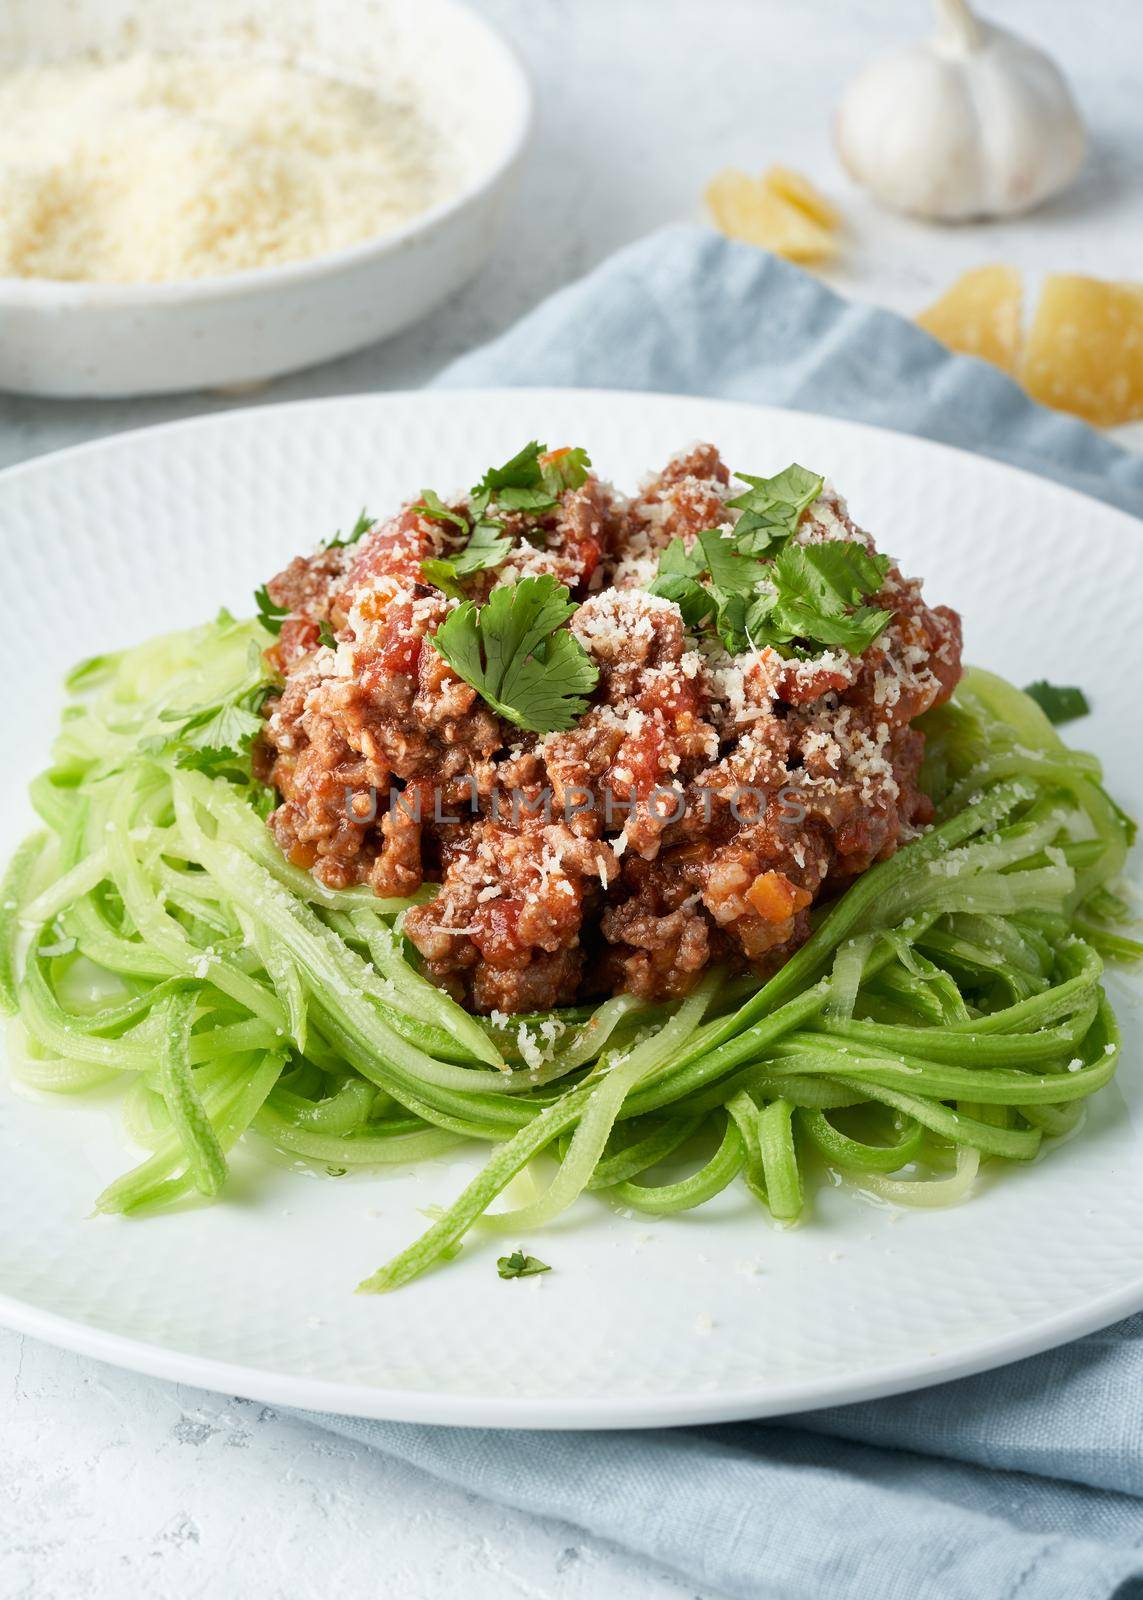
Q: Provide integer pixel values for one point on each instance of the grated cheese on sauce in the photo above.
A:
(156, 168)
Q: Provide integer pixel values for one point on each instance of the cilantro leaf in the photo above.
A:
(772, 507)
(214, 738)
(737, 621)
(226, 764)
(805, 592)
(270, 614)
(530, 483)
(734, 579)
(532, 480)
(234, 769)
(696, 603)
(443, 576)
(816, 585)
(830, 576)
(519, 1265)
(522, 471)
(732, 571)
(360, 528)
(516, 652)
(432, 506)
(326, 635)
(487, 548)
(534, 500)
(229, 726)
(677, 561)
(566, 468)
(1058, 702)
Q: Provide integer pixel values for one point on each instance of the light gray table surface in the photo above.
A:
(113, 1485)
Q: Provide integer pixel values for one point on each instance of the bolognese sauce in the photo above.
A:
(694, 813)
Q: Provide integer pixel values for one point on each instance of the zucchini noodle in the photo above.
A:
(946, 1011)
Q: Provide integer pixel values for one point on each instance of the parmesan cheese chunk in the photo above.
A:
(800, 192)
(157, 168)
(1085, 349)
(980, 315)
(750, 209)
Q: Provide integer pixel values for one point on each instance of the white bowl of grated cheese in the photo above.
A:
(193, 197)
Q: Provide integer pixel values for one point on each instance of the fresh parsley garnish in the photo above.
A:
(518, 655)
(516, 486)
(566, 468)
(1058, 702)
(678, 578)
(360, 528)
(432, 506)
(519, 1265)
(225, 728)
(734, 579)
(809, 593)
(217, 738)
(818, 595)
(270, 614)
(326, 635)
(755, 587)
(772, 507)
(530, 483)
(487, 547)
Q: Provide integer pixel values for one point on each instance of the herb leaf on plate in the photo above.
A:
(818, 595)
(487, 547)
(360, 528)
(519, 1265)
(1058, 702)
(809, 593)
(772, 507)
(518, 655)
(530, 483)
(432, 506)
(270, 614)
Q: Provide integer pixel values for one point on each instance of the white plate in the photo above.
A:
(709, 1316)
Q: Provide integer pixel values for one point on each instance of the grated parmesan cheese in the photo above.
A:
(534, 1052)
(155, 168)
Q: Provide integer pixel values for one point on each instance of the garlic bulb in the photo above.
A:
(975, 123)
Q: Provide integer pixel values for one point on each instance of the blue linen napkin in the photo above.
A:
(1021, 1484)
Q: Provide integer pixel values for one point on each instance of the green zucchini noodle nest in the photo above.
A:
(947, 1009)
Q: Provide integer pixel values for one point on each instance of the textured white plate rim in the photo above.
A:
(432, 396)
(408, 1404)
(506, 1411)
(52, 293)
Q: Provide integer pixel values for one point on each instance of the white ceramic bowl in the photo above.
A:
(73, 339)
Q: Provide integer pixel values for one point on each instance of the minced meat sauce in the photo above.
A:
(693, 815)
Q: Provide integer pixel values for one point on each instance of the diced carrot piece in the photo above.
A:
(775, 898)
